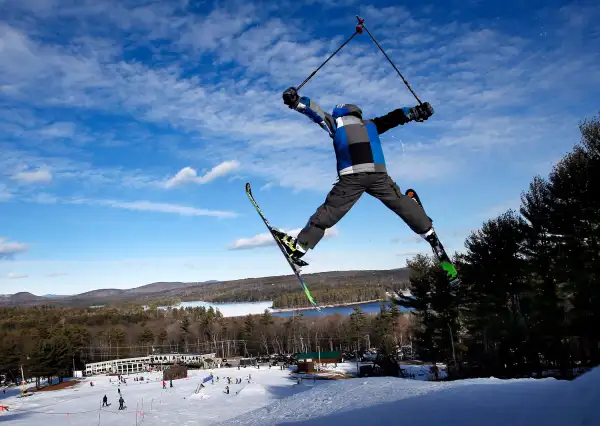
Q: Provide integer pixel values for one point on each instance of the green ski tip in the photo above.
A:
(449, 268)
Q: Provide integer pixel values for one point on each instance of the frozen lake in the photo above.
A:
(253, 308)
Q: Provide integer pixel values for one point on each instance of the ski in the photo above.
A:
(295, 267)
(438, 250)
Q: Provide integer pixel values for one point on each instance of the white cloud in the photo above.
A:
(466, 73)
(43, 198)
(33, 177)
(187, 174)
(409, 253)
(58, 130)
(56, 274)
(266, 239)
(13, 276)
(150, 206)
(8, 249)
(5, 194)
(496, 210)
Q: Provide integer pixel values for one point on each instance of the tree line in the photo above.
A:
(529, 299)
(47, 341)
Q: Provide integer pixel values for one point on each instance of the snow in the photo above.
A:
(273, 397)
(228, 309)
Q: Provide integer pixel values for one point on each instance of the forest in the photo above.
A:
(528, 301)
(50, 342)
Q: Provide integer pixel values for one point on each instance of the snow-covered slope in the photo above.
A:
(272, 397)
(389, 401)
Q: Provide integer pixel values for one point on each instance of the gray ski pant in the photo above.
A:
(346, 192)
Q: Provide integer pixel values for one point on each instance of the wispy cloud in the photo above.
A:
(5, 194)
(14, 276)
(472, 75)
(9, 248)
(408, 253)
(498, 209)
(408, 239)
(56, 274)
(137, 205)
(266, 239)
(33, 177)
(43, 198)
(266, 186)
(187, 174)
(150, 206)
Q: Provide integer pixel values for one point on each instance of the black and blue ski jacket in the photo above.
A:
(356, 141)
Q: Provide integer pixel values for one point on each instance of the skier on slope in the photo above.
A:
(361, 168)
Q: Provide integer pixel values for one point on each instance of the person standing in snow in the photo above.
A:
(105, 401)
(121, 403)
(361, 168)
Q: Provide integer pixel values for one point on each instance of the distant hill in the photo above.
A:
(248, 289)
(24, 297)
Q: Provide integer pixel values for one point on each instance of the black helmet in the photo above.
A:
(344, 110)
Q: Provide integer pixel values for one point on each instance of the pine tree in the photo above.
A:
(384, 330)
(542, 248)
(357, 326)
(60, 356)
(184, 332)
(498, 290)
(9, 358)
(421, 285)
(161, 337)
(146, 336)
(576, 220)
(40, 361)
(117, 339)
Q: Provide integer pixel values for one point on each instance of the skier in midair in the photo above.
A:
(361, 168)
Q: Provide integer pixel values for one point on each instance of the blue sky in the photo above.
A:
(129, 128)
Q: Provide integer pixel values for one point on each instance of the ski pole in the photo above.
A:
(361, 23)
(358, 31)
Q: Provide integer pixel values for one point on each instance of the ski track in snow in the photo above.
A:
(274, 398)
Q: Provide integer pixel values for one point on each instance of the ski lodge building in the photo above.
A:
(141, 364)
(327, 357)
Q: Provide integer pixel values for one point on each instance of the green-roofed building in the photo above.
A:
(325, 357)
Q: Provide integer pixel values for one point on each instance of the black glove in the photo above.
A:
(291, 98)
(421, 112)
